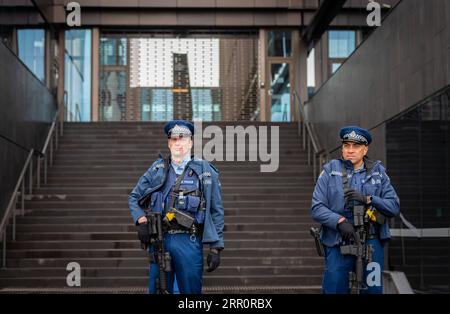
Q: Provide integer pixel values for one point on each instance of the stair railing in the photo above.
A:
(48, 158)
(19, 189)
(309, 138)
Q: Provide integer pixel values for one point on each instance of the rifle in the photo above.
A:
(359, 248)
(158, 254)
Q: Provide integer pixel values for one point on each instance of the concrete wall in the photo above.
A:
(26, 109)
(401, 63)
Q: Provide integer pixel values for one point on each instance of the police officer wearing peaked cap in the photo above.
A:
(332, 206)
(199, 196)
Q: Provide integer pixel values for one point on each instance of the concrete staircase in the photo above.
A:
(82, 216)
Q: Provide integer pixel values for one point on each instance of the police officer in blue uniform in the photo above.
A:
(367, 184)
(198, 195)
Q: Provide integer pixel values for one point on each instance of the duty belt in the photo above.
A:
(174, 228)
(175, 231)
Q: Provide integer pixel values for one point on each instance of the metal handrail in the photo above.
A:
(306, 131)
(10, 209)
(64, 106)
(48, 140)
(14, 198)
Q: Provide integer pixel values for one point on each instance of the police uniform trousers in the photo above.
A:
(338, 266)
(187, 264)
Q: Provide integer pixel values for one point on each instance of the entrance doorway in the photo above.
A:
(164, 76)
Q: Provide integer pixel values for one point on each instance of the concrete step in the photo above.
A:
(218, 289)
(300, 174)
(152, 140)
(132, 235)
(95, 253)
(230, 208)
(148, 148)
(124, 227)
(135, 244)
(101, 272)
(226, 197)
(226, 190)
(126, 219)
(47, 204)
(131, 167)
(150, 157)
(252, 261)
(250, 180)
(159, 132)
(104, 212)
(285, 148)
(209, 280)
(284, 153)
(145, 163)
(156, 133)
(233, 184)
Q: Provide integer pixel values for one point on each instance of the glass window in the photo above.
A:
(221, 75)
(107, 51)
(335, 66)
(280, 91)
(311, 69)
(279, 44)
(206, 104)
(31, 46)
(157, 104)
(113, 51)
(341, 43)
(113, 86)
(77, 61)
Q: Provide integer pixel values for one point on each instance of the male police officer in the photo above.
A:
(332, 206)
(198, 195)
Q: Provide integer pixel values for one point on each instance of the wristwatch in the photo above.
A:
(368, 199)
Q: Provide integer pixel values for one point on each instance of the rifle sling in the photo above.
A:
(177, 186)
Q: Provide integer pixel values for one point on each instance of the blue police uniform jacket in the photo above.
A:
(328, 197)
(154, 180)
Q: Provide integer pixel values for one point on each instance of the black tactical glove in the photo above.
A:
(346, 230)
(213, 259)
(143, 233)
(353, 195)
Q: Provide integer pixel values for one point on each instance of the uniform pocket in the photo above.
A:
(188, 203)
(193, 208)
(156, 202)
(192, 203)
